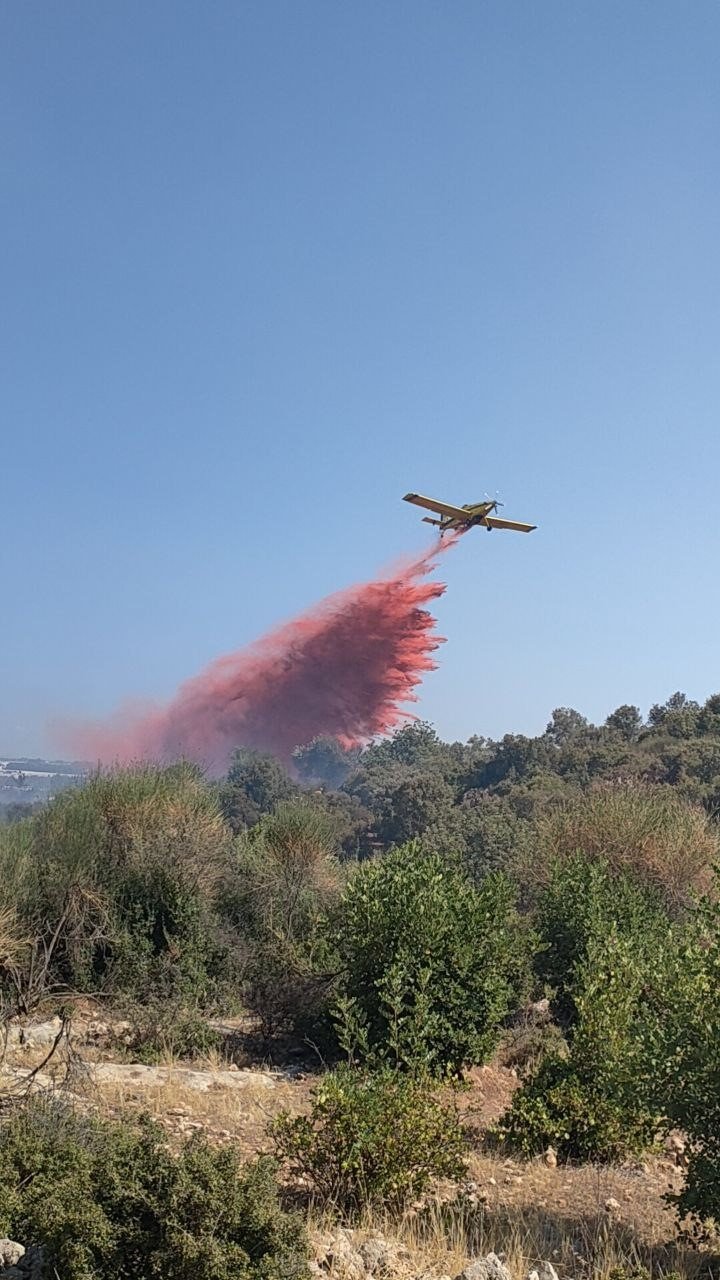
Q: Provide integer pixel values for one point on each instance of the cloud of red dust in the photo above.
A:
(344, 668)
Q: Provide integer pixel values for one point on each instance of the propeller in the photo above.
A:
(495, 501)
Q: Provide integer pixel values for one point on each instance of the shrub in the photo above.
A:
(169, 1029)
(581, 904)
(121, 874)
(371, 1139)
(430, 963)
(650, 832)
(595, 1101)
(684, 1046)
(285, 880)
(560, 1109)
(526, 1044)
(109, 1200)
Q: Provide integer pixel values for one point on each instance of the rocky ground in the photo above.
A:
(508, 1219)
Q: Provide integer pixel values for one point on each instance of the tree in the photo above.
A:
(565, 724)
(418, 800)
(514, 757)
(676, 705)
(627, 721)
(709, 719)
(484, 833)
(416, 744)
(255, 784)
(325, 762)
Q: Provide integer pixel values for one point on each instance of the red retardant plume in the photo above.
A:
(344, 668)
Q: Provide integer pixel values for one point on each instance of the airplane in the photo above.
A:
(473, 513)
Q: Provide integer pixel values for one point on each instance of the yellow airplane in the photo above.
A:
(473, 513)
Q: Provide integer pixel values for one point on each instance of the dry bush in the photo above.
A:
(126, 867)
(14, 942)
(284, 883)
(648, 831)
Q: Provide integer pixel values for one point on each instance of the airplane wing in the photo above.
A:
(443, 508)
(496, 523)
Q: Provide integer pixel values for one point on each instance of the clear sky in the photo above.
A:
(268, 265)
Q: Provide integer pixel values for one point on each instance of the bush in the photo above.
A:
(526, 1044)
(285, 880)
(167, 1030)
(595, 1101)
(371, 1139)
(581, 904)
(685, 1046)
(119, 877)
(560, 1109)
(650, 832)
(430, 963)
(109, 1200)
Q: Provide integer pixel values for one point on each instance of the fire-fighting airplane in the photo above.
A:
(473, 513)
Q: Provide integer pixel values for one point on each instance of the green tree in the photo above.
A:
(565, 724)
(418, 800)
(325, 762)
(484, 832)
(677, 705)
(416, 745)
(627, 721)
(709, 720)
(255, 784)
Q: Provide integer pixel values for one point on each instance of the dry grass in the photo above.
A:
(528, 1213)
(441, 1239)
(238, 1109)
(14, 941)
(650, 831)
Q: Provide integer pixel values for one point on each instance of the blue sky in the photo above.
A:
(268, 265)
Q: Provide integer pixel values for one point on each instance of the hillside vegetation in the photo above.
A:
(395, 919)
